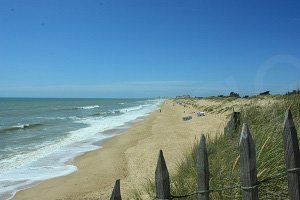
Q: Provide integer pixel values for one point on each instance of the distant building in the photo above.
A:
(183, 97)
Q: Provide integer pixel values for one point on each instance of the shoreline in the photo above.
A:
(109, 133)
(130, 156)
(115, 132)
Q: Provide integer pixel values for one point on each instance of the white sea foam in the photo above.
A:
(88, 107)
(125, 110)
(21, 126)
(60, 118)
(50, 158)
(135, 108)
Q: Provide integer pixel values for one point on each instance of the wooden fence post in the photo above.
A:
(116, 193)
(291, 155)
(202, 169)
(233, 124)
(162, 181)
(248, 165)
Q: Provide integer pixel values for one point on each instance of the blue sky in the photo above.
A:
(148, 48)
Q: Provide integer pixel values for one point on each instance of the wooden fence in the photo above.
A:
(248, 173)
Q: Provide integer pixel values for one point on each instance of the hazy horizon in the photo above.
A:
(242, 94)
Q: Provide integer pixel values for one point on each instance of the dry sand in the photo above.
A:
(130, 156)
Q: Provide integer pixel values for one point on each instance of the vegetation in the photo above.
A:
(233, 94)
(266, 127)
(293, 92)
(265, 93)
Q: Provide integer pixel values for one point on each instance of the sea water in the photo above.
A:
(39, 138)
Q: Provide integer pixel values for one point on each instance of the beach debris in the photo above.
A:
(187, 118)
(199, 114)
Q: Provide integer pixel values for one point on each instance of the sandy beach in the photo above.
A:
(130, 156)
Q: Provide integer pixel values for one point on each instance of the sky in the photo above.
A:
(148, 48)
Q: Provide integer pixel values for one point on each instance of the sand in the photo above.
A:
(130, 156)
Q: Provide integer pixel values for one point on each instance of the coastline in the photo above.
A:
(130, 156)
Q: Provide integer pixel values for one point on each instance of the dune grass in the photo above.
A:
(266, 126)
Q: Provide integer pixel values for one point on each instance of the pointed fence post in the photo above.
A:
(202, 169)
(162, 181)
(248, 165)
(291, 155)
(116, 193)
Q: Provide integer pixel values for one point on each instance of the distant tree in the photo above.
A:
(221, 95)
(265, 93)
(293, 92)
(233, 94)
(246, 96)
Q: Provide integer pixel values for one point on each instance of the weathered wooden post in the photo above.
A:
(291, 155)
(248, 165)
(233, 124)
(162, 181)
(116, 193)
(202, 170)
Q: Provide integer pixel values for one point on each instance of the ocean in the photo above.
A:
(39, 138)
